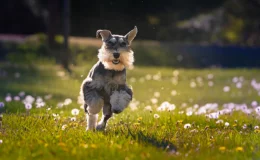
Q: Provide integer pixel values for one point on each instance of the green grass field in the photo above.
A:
(187, 131)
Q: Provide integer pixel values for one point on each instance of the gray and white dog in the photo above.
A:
(105, 86)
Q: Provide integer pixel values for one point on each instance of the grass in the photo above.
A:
(135, 133)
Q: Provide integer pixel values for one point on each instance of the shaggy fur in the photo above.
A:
(105, 86)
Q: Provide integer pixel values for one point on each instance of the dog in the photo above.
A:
(105, 86)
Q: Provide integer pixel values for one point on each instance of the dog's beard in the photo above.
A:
(126, 59)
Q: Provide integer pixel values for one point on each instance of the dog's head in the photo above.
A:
(115, 53)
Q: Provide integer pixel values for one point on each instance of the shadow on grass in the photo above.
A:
(152, 140)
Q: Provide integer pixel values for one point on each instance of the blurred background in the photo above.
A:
(175, 33)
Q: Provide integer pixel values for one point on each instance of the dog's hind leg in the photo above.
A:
(106, 115)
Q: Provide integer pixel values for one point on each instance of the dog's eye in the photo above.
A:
(111, 43)
(122, 44)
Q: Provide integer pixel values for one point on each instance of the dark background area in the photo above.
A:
(189, 33)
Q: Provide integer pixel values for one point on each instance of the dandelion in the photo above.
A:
(21, 94)
(156, 116)
(75, 112)
(210, 83)
(239, 149)
(175, 73)
(148, 108)
(28, 106)
(173, 93)
(40, 104)
(2, 104)
(254, 104)
(67, 101)
(60, 105)
(226, 89)
(1, 141)
(154, 100)
(226, 124)
(189, 113)
(186, 126)
(166, 106)
(63, 127)
(244, 126)
(17, 98)
(8, 98)
(235, 79)
(73, 119)
(29, 99)
(48, 109)
(219, 121)
(239, 85)
(193, 84)
(47, 97)
(256, 127)
(210, 76)
(214, 115)
(157, 94)
(148, 77)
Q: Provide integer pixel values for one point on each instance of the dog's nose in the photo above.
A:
(116, 55)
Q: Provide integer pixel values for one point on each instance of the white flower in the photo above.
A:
(256, 127)
(157, 94)
(226, 124)
(186, 126)
(210, 83)
(210, 76)
(244, 126)
(1, 141)
(254, 103)
(226, 89)
(8, 98)
(219, 121)
(28, 106)
(17, 98)
(29, 99)
(193, 84)
(75, 111)
(148, 108)
(21, 94)
(154, 100)
(156, 116)
(40, 104)
(239, 85)
(173, 93)
(48, 109)
(2, 104)
(47, 97)
(175, 73)
(214, 115)
(73, 119)
(166, 106)
(64, 127)
(60, 105)
(67, 101)
(189, 113)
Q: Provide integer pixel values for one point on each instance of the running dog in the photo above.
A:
(105, 86)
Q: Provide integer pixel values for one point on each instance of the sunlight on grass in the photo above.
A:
(183, 114)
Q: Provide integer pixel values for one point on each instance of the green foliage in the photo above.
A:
(133, 134)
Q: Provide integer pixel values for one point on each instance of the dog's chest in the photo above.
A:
(110, 80)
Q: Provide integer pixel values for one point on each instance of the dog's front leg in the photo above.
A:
(106, 115)
(120, 99)
(93, 104)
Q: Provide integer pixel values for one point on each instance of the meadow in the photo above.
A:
(176, 114)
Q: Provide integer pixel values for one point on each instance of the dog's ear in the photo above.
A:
(105, 34)
(131, 35)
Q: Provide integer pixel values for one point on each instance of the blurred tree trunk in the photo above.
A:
(53, 18)
(65, 60)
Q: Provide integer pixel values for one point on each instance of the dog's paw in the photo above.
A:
(101, 127)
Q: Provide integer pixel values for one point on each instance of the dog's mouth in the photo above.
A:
(116, 61)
